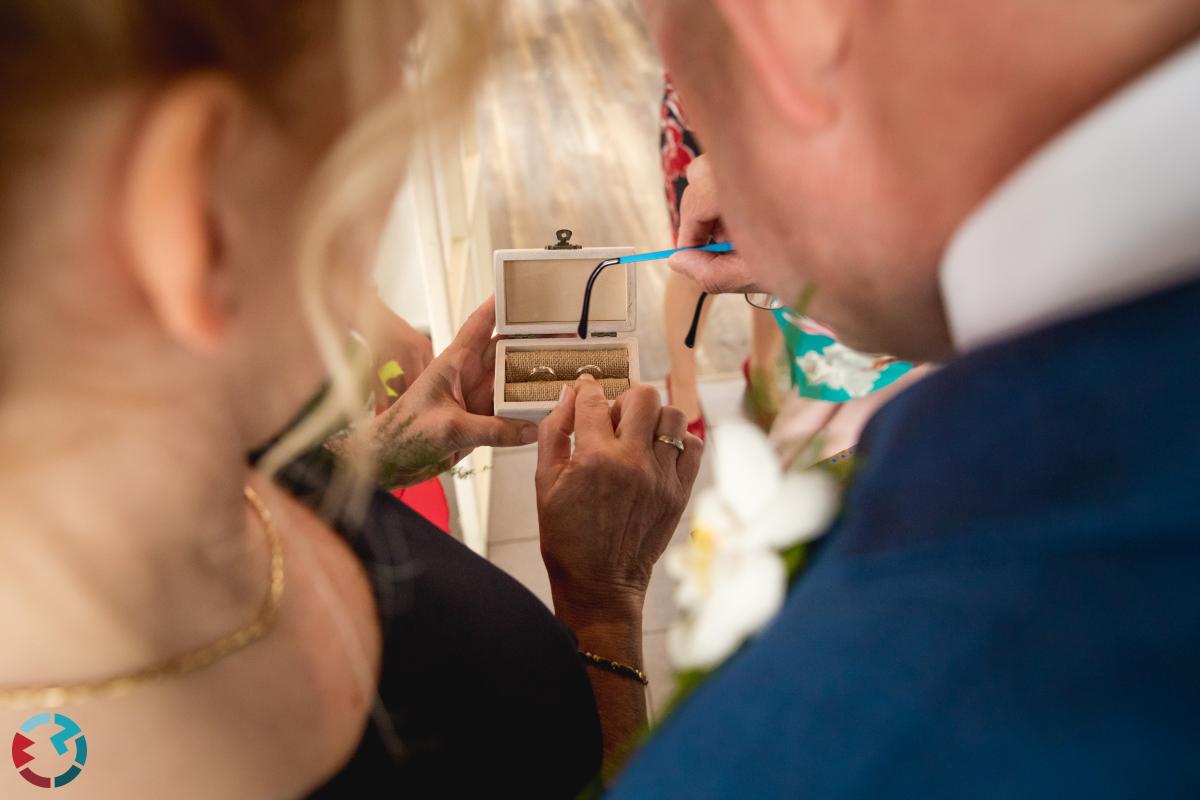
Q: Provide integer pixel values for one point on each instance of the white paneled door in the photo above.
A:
(435, 267)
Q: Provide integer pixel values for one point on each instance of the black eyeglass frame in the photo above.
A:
(689, 341)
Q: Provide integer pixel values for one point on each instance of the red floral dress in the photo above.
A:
(678, 147)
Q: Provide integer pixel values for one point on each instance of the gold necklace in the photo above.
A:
(191, 661)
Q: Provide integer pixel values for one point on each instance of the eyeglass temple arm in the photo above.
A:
(690, 340)
(587, 294)
(715, 247)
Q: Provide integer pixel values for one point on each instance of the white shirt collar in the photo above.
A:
(1109, 210)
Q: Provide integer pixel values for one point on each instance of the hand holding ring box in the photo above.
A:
(538, 297)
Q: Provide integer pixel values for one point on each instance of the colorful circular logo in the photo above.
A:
(66, 737)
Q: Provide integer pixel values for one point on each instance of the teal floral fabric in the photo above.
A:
(824, 369)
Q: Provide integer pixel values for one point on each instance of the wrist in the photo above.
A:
(619, 641)
(592, 604)
(402, 454)
(611, 627)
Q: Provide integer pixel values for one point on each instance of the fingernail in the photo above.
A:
(587, 376)
(529, 434)
(563, 392)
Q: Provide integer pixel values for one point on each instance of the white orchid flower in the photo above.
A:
(732, 578)
(841, 368)
(745, 590)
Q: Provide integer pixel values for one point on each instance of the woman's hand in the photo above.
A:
(700, 223)
(447, 411)
(607, 510)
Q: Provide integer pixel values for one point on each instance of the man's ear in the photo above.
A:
(168, 224)
(792, 46)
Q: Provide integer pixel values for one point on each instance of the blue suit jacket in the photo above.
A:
(1010, 604)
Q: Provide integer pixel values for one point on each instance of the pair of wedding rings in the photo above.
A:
(544, 373)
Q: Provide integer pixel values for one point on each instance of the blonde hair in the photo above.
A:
(364, 164)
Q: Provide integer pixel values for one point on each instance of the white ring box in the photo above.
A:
(539, 295)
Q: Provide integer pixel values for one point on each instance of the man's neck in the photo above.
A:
(1102, 214)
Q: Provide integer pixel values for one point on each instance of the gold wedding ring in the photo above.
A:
(673, 441)
(542, 373)
(591, 369)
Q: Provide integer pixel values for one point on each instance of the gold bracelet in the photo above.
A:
(615, 667)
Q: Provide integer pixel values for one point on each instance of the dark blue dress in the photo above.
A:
(485, 694)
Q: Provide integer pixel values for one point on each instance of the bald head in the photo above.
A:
(849, 138)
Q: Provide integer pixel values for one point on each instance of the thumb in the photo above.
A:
(476, 331)
(478, 430)
(694, 264)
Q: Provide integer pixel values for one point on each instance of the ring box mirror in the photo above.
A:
(539, 295)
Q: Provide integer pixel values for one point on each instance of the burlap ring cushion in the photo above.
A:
(521, 387)
(518, 364)
(548, 391)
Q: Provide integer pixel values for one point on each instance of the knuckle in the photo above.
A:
(643, 394)
(686, 201)
(592, 461)
(629, 472)
(618, 469)
(673, 418)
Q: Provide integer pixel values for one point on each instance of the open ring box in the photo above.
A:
(539, 294)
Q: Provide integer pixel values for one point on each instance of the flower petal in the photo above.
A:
(713, 515)
(803, 509)
(748, 589)
(746, 467)
(690, 572)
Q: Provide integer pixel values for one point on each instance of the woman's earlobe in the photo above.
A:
(173, 245)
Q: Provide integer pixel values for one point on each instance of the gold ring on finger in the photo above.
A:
(673, 441)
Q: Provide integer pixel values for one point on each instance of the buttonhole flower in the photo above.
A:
(733, 570)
